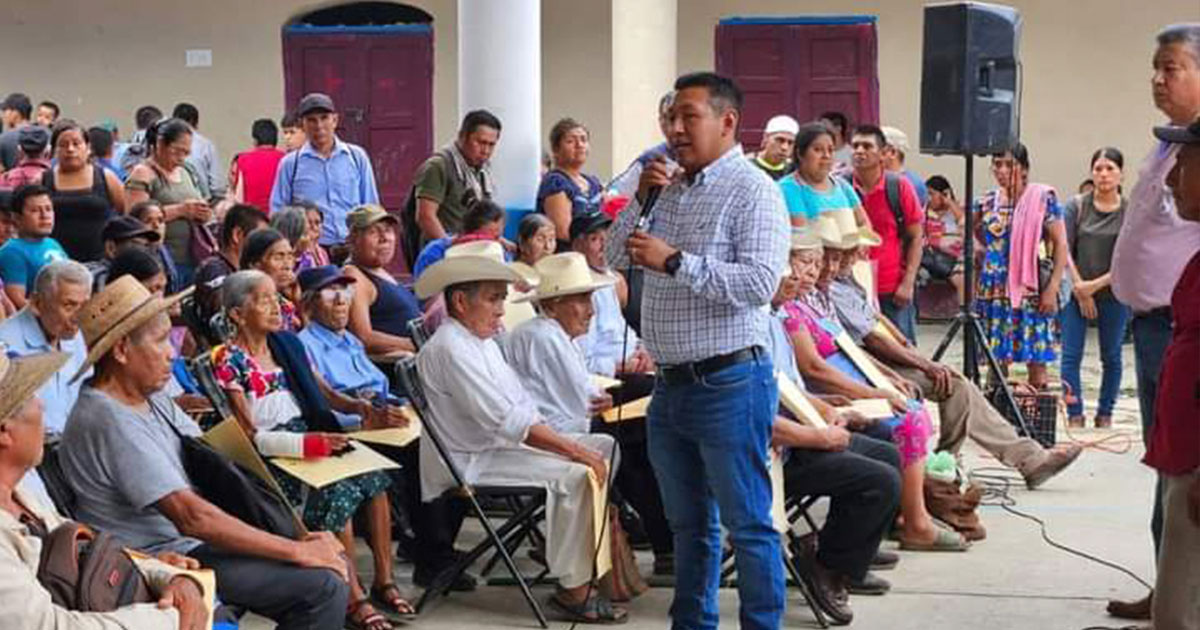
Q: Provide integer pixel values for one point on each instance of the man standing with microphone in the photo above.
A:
(713, 242)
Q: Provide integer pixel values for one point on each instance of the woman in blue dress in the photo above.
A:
(1024, 257)
(566, 191)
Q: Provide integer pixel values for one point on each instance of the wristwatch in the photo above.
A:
(671, 264)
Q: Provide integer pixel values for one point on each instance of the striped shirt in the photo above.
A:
(731, 224)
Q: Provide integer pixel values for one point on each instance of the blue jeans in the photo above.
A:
(1151, 336)
(708, 443)
(1112, 317)
(904, 318)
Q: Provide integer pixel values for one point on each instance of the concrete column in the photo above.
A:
(500, 70)
(644, 45)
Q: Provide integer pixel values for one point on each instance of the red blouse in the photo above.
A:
(1175, 438)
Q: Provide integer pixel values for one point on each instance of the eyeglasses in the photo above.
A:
(331, 294)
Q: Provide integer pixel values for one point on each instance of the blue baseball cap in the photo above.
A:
(317, 278)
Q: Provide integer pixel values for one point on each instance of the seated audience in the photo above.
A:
(566, 191)
(775, 156)
(268, 251)
(813, 328)
(341, 359)
(483, 220)
(495, 433)
(152, 215)
(50, 323)
(382, 307)
(285, 409)
(122, 455)
(32, 142)
(26, 521)
(964, 410)
(535, 240)
(292, 223)
(119, 232)
(23, 256)
(240, 221)
(85, 195)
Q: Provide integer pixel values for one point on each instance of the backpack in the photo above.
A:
(891, 188)
(411, 241)
(89, 572)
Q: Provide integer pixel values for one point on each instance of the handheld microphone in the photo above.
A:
(652, 194)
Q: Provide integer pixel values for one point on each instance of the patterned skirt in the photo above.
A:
(1020, 335)
(329, 508)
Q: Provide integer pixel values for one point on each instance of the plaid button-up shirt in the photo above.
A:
(731, 224)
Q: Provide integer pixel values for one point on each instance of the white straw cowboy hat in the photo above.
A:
(566, 274)
(477, 261)
(20, 377)
(807, 237)
(848, 226)
(118, 310)
(831, 235)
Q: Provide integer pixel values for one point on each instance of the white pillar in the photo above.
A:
(500, 70)
(644, 47)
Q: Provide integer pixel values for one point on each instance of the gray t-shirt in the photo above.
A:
(121, 461)
(1092, 235)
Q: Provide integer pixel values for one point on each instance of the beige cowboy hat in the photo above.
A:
(847, 224)
(566, 274)
(477, 261)
(118, 310)
(807, 237)
(20, 377)
(831, 235)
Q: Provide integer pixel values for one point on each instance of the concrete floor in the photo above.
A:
(1013, 579)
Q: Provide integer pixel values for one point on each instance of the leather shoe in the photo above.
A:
(871, 584)
(463, 583)
(1138, 610)
(1057, 459)
(885, 560)
(828, 588)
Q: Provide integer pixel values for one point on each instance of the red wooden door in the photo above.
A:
(801, 67)
(381, 80)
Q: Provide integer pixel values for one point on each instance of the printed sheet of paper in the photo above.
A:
(628, 411)
(778, 505)
(873, 408)
(793, 399)
(319, 473)
(605, 382)
(396, 436)
(864, 363)
(599, 514)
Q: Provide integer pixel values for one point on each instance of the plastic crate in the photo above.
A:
(1040, 411)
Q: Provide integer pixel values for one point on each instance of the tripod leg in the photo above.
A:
(945, 343)
(994, 372)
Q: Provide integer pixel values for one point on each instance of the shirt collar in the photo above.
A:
(858, 183)
(31, 329)
(326, 335)
(731, 157)
(338, 147)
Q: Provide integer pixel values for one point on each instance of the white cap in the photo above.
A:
(781, 124)
(895, 138)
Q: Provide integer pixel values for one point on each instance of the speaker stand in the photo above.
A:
(974, 338)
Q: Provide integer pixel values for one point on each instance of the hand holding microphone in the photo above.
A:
(645, 250)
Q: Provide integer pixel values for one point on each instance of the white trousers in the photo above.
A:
(570, 524)
(1177, 588)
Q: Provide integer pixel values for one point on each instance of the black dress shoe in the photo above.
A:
(871, 584)
(885, 560)
(463, 583)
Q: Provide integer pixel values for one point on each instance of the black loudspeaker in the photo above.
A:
(970, 79)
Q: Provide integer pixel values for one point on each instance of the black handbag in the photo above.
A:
(938, 263)
(235, 490)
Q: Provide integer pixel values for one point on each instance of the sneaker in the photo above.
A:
(1057, 459)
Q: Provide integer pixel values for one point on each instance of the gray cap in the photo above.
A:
(314, 102)
(33, 139)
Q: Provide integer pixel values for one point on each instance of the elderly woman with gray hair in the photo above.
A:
(301, 225)
(286, 410)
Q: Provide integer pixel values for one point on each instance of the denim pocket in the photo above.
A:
(732, 377)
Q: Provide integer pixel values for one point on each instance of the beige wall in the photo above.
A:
(1087, 71)
(577, 73)
(643, 56)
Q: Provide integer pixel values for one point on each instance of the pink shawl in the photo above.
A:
(1024, 237)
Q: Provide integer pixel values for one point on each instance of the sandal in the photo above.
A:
(596, 609)
(361, 615)
(944, 541)
(388, 595)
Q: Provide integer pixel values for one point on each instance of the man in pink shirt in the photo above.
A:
(1155, 244)
(253, 172)
(898, 258)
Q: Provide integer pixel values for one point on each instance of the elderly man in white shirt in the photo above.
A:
(497, 436)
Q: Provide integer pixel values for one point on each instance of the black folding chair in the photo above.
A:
(497, 538)
(201, 368)
(419, 330)
(55, 480)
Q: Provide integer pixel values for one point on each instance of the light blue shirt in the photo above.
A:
(807, 202)
(783, 356)
(23, 335)
(342, 361)
(605, 337)
(336, 184)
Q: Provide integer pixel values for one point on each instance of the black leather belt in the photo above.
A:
(1162, 311)
(691, 372)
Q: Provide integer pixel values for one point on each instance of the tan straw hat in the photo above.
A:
(20, 377)
(831, 235)
(849, 227)
(118, 310)
(807, 237)
(566, 274)
(477, 261)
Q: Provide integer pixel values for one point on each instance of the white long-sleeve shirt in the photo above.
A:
(552, 368)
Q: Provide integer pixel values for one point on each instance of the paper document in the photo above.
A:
(395, 436)
(599, 492)
(873, 408)
(794, 400)
(228, 439)
(865, 364)
(778, 502)
(605, 382)
(322, 472)
(628, 411)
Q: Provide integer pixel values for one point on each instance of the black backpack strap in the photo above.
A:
(891, 186)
